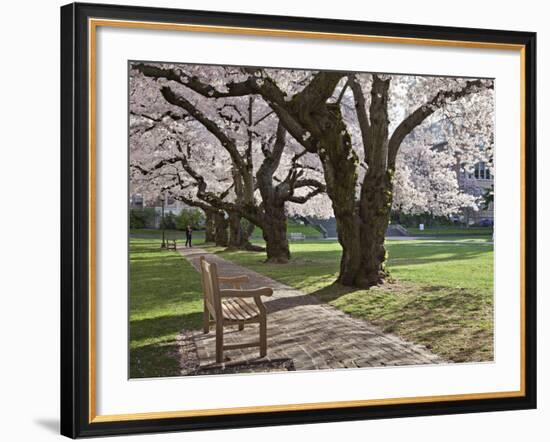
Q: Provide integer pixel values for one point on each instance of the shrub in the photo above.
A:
(169, 221)
(189, 217)
(142, 218)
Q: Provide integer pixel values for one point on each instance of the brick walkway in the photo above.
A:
(303, 334)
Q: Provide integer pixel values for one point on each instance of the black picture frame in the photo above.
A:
(75, 221)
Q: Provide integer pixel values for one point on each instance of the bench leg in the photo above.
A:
(219, 342)
(263, 337)
(241, 326)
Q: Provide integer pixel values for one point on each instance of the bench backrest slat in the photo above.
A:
(210, 287)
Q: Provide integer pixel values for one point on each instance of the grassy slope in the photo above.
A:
(442, 294)
(451, 230)
(165, 297)
(198, 235)
(308, 231)
(292, 227)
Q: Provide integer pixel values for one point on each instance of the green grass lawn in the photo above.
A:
(451, 231)
(198, 235)
(165, 297)
(441, 294)
(293, 227)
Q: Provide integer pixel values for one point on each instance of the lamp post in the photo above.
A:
(162, 223)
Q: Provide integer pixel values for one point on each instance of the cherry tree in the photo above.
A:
(155, 171)
(268, 169)
(355, 124)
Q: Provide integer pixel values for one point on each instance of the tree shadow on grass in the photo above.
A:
(407, 261)
(160, 357)
(153, 259)
(150, 328)
(333, 291)
(455, 323)
(154, 360)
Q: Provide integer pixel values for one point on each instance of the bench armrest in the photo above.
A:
(235, 281)
(252, 293)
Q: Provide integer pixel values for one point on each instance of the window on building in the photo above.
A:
(481, 172)
(136, 201)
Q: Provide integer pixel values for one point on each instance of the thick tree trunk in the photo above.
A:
(341, 193)
(274, 233)
(374, 213)
(220, 226)
(349, 239)
(209, 226)
(341, 180)
(363, 265)
(376, 191)
(239, 235)
(340, 170)
(234, 231)
(361, 223)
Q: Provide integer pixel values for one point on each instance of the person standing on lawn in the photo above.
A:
(188, 236)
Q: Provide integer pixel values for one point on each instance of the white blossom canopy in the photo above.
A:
(426, 176)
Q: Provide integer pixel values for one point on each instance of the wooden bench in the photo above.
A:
(297, 236)
(170, 244)
(232, 307)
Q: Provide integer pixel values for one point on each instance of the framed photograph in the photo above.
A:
(274, 220)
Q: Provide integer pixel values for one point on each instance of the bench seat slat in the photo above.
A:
(230, 311)
(238, 311)
(249, 308)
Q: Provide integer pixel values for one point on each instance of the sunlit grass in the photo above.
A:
(165, 297)
(440, 294)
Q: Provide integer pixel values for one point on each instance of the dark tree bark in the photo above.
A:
(274, 197)
(209, 227)
(216, 227)
(374, 215)
(237, 235)
(220, 223)
(375, 198)
(340, 168)
(274, 234)
(275, 225)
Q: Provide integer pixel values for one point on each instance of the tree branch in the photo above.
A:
(343, 91)
(157, 166)
(310, 182)
(361, 111)
(177, 75)
(424, 111)
(303, 199)
(227, 142)
(272, 160)
(257, 83)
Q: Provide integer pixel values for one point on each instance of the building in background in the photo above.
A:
(480, 183)
(169, 204)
